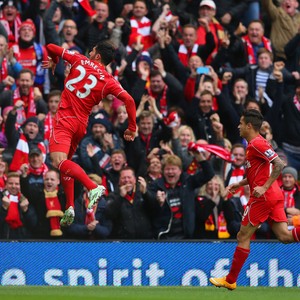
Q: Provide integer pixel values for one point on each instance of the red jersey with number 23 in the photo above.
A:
(259, 155)
(87, 84)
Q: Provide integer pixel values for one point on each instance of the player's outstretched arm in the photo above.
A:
(55, 52)
(130, 133)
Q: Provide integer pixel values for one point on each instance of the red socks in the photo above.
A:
(241, 254)
(239, 258)
(71, 169)
(296, 234)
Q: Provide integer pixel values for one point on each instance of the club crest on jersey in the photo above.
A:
(247, 164)
(269, 153)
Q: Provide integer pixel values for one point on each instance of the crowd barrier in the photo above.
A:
(144, 263)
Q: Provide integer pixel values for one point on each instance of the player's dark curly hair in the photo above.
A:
(254, 117)
(107, 51)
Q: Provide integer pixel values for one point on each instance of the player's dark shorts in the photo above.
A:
(258, 211)
(66, 134)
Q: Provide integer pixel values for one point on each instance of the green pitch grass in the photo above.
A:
(146, 293)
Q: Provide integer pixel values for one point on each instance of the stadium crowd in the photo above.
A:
(192, 67)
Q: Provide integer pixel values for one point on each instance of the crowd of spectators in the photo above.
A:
(192, 67)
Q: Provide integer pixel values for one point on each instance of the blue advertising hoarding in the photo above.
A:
(144, 263)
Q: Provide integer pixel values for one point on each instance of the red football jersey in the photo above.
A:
(259, 155)
(87, 84)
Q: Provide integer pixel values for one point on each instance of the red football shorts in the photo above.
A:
(66, 134)
(258, 211)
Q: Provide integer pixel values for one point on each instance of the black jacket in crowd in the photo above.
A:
(130, 220)
(28, 218)
(163, 216)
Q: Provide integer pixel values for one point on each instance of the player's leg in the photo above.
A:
(284, 235)
(73, 170)
(241, 252)
(239, 257)
(60, 143)
(68, 186)
(255, 213)
(279, 225)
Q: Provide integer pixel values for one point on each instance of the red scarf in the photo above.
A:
(12, 36)
(130, 197)
(4, 71)
(214, 149)
(146, 140)
(217, 31)
(85, 4)
(21, 153)
(251, 56)
(193, 167)
(209, 223)
(189, 89)
(29, 109)
(3, 179)
(163, 106)
(143, 28)
(184, 54)
(222, 227)
(289, 200)
(236, 176)
(90, 212)
(38, 171)
(13, 214)
(54, 212)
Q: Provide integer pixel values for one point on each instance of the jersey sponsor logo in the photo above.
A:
(269, 153)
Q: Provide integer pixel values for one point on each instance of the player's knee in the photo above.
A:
(285, 238)
(241, 237)
(55, 161)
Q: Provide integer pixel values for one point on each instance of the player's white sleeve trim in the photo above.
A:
(62, 55)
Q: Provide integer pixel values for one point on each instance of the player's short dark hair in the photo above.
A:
(254, 117)
(107, 51)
